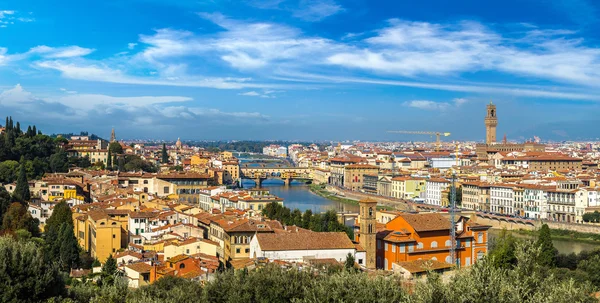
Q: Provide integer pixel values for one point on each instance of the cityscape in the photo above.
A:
(299, 151)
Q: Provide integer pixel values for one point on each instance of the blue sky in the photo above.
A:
(301, 69)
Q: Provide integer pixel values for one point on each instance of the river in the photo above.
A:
(299, 196)
(563, 246)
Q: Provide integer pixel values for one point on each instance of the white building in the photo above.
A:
(502, 199)
(433, 190)
(535, 201)
(206, 201)
(442, 163)
(296, 247)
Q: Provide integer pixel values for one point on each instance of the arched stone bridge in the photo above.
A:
(287, 174)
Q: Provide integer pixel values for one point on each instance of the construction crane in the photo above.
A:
(437, 135)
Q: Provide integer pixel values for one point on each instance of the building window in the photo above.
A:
(237, 250)
(360, 261)
(480, 238)
(378, 244)
(181, 266)
(420, 245)
(402, 249)
(166, 190)
(411, 247)
(145, 181)
(247, 250)
(386, 245)
(480, 255)
(448, 243)
(393, 248)
(449, 260)
(434, 244)
(114, 236)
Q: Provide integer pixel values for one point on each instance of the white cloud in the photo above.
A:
(9, 17)
(420, 48)
(101, 73)
(67, 91)
(317, 10)
(131, 45)
(60, 52)
(15, 96)
(264, 94)
(432, 105)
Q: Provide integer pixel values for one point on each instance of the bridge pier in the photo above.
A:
(287, 181)
(258, 182)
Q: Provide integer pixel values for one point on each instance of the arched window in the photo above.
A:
(102, 223)
(448, 260)
(370, 230)
(448, 243)
(434, 259)
(479, 255)
(433, 244)
(181, 266)
(370, 211)
(420, 245)
(114, 223)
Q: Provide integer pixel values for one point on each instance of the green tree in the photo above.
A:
(503, 253)
(548, 252)
(109, 160)
(5, 200)
(349, 263)
(109, 270)
(164, 154)
(8, 171)
(591, 266)
(115, 148)
(17, 217)
(458, 196)
(25, 275)
(61, 215)
(21, 192)
(59, 162)
(69, 248)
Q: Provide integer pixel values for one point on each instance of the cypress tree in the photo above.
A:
(69, 248)
(548, 252)
(6, 124)
(18, 128)
(10, 123)
(34, 131)
(165, 155)
(109, 160)
(21, 192)
(29, 131)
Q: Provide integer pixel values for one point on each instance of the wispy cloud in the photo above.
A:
(67, 91)
(10, 17)
(131, 45)
(317, 10)
(98, 108)
(264, 94)
(432, 105)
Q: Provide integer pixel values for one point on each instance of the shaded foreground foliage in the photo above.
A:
(526, 281)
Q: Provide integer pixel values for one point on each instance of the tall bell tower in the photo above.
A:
(491, 121)
(368, 230)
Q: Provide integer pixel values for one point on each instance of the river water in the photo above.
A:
(563, 246)
(299, 196)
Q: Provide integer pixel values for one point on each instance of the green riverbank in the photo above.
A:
(321, 191)
(566, 235)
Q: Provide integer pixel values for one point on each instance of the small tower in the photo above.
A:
(491, 121)
(368, 230)
(113, 138)
(178, 143)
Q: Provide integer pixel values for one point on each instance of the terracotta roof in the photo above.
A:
(304, 241)
(361, 166)
(140, 267)
(178, 258)
(418, 266)
(426, 222)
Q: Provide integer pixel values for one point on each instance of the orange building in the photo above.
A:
(411, 237)
(189, 267)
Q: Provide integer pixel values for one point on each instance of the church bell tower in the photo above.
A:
(491, 121)
(368, 230)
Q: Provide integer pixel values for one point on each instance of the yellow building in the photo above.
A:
(66, 189)
(231, 172)
(408, 187)
(99, 233)
(190, 246)
(354, 175)
(199, 161)
(227, 155)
